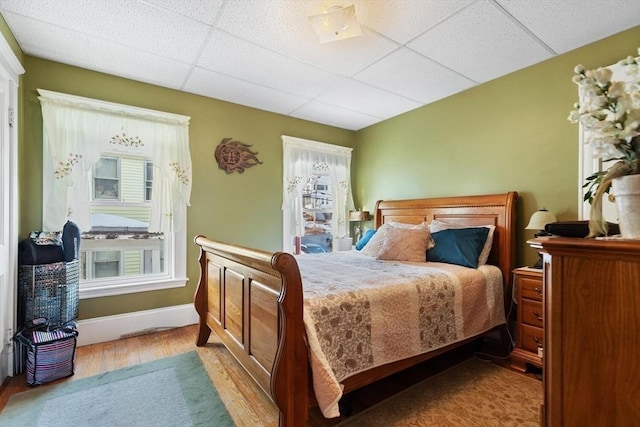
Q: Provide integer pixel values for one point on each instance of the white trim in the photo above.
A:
(109, 328)
(315, 145)
(176, 278)
(9, 64)
(112, 107)
(113, 289)
(10, 69)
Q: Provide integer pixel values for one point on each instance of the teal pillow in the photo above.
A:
(365, 239)
(461, 246)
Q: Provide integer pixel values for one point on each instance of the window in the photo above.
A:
(119, 243)
(148, 179)
(317, 194)
(106, 180)
(98, 171)
(153, 261)
(317, 210)
(107, 264)
(100, 264)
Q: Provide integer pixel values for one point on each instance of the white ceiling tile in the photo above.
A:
(283, 26)
(62, 45)
(205, 11)
(481, 42)
(357, 96)
(403, 20)
(410, 74)
(568, 24)
(131, 23)
(334, 116)
(219, 86)
(231, 56)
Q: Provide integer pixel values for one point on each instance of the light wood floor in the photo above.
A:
(246, 403)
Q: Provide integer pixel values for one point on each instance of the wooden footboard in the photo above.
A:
(253, 301)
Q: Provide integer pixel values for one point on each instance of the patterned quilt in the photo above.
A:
(361, 313)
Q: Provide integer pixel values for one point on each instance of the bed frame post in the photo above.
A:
(200, 299)
(290, 374)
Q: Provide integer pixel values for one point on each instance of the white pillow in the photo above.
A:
(377, 240)
(402, 244)
(436, 226)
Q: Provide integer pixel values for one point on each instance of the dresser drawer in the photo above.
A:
(531, 338)
(531, 313)
(530, 288)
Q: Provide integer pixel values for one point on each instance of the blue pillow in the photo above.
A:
(365, 239)
(461, 246)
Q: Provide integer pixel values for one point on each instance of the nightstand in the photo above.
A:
(528, 296)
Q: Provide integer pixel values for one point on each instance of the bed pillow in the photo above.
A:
(365, 239)
(405, 244)
(375, 243)
(461, 246)
(436, 226)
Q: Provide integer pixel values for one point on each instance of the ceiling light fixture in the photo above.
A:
(337, 23)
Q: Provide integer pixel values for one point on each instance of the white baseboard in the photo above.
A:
(109, 328)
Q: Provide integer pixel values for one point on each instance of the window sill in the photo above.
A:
(113, 289)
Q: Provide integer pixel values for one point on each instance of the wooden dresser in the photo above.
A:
(592, 331)
(528, 291)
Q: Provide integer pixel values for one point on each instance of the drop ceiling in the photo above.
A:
(264, 53)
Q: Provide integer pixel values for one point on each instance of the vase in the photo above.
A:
(626, 190)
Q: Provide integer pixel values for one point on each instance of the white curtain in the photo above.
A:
(302, 159)
(77, 131)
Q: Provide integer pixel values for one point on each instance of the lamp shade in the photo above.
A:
(539, 219)
(359, 216)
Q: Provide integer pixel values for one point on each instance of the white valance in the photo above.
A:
(78, 131)
(303, 159)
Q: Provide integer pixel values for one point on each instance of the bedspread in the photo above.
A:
(360, 313)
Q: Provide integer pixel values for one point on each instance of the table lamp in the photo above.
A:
(359, 217)
(537, 222)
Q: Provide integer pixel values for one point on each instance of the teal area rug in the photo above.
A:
(171, 392)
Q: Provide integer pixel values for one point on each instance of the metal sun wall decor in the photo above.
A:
(234, 156)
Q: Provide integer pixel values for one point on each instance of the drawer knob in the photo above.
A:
(538, 341)
(537, 290)
(538, 316)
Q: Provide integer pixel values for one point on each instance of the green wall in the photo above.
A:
(11, 40)
(238, 208)
(509, 134)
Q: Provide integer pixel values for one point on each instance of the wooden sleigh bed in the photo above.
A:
(253, 300)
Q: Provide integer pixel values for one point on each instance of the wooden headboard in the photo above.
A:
(489, 209)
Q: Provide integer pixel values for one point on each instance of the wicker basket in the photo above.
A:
(50, 291)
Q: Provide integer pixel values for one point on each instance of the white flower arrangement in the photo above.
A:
(610, 116)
